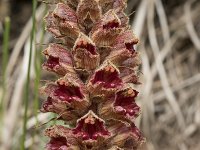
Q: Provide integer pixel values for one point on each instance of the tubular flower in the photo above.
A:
(97, 66)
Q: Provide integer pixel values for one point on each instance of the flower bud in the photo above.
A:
(66, 20)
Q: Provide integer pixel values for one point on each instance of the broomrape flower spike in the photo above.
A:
(97, 66)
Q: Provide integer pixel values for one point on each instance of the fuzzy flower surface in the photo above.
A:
(97, 69)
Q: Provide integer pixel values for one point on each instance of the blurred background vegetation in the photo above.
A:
(169, 33)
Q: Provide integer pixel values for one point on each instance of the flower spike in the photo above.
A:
(98, 67)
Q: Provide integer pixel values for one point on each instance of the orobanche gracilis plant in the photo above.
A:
(97, 67)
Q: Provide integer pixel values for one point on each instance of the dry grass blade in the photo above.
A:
(159, 64)
(138, 22)
(21, 40)
(158, 97)
(163, 20)
(12, 114)
(190, 27)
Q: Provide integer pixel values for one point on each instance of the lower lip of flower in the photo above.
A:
(52, 62)
(131, 109)
(111, 25)
(89, 47)
(125, 104)
(68, 94)
(109, 79)
(130, 47)
(57, 143)
(47, 103)
(90, 131)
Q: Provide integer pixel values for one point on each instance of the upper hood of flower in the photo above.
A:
(128, 135)
(85, 54)
(61, 139)
(127, 40)
(59, 60)
(106, 30)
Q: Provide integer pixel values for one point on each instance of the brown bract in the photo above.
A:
(88, 11)
(128, 135)
(119, 5)
(66, 20)
(51, 25)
